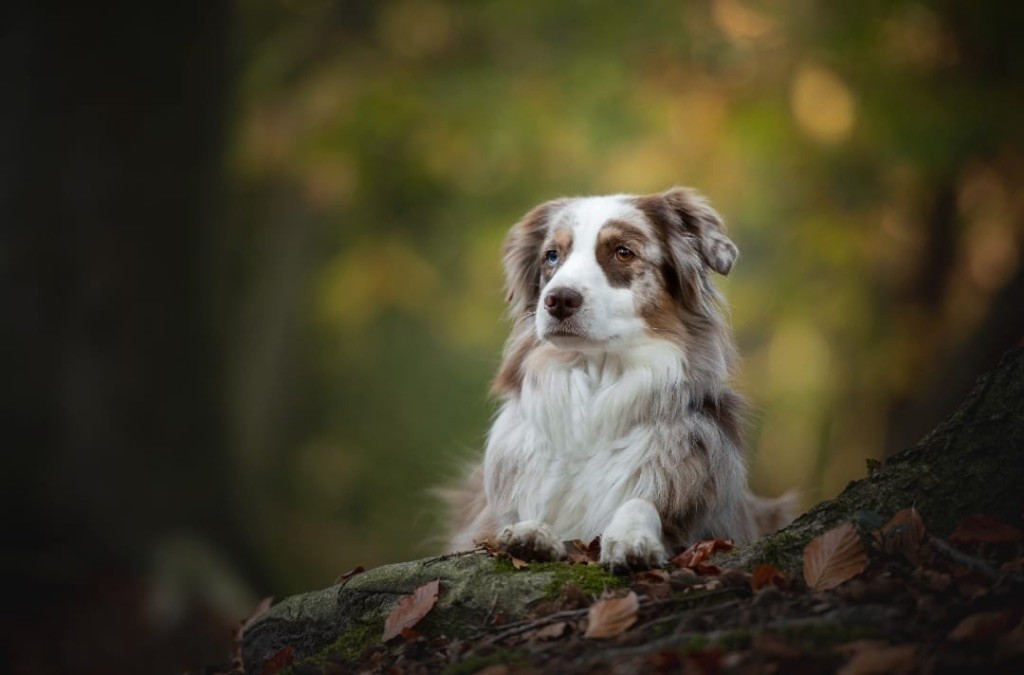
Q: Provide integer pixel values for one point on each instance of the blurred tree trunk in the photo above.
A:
(111, 146)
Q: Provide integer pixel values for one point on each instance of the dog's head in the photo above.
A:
(601, 273)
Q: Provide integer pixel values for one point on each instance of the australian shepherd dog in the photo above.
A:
(617, 416)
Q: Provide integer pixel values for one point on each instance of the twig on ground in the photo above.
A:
(965, 559)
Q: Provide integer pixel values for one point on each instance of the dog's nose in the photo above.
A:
(563, 302)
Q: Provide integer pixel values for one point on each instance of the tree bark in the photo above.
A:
(973, 462)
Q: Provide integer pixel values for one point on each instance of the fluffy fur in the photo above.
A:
(616, 415)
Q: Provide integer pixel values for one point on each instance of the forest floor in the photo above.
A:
(873, 597)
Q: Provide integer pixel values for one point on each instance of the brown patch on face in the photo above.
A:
(621, 271)
(663, 319)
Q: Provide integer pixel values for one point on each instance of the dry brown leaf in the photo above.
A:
(281, 659)
(582, 552)
(653, 583)
(982, 627)
(410, 609)
(834, 557)
(765, 575)
(877, 660)
(694, 557)
(550, 632)
(979, 528)
(612, 616)
(904, 534)
(651, 577)
(577, 557)
(488, 545)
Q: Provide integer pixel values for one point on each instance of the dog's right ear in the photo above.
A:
(522, 257)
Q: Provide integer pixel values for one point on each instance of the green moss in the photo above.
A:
(349, 646)
(353, 642)
(475, 664)
(591, 579)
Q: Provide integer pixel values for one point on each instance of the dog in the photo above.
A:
(617, 417)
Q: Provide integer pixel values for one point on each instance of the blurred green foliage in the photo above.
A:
(867, 157)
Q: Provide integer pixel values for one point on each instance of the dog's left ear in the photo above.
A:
(691, 221)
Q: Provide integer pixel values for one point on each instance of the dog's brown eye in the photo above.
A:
(623, 254)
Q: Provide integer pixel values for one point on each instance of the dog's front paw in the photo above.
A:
(632, 550)
(531, 540)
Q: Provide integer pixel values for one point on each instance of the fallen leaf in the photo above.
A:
(765, 575)
(653, 583)
(410, 609)
(694, 557)
(488, 545)
(281, 659)
(982, 627)
(577, 557)
(612, 616)
(581, 552)
(834, 557)
(351, 573)
(876, 660)
(550, 632)
(651, 577)
(980, 528)
(903, 534)
(519, 563)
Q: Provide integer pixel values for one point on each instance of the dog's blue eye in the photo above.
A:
(551, 257)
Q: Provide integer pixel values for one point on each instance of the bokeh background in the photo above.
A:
(250, 272)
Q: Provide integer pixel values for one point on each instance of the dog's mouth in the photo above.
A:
(566, 333)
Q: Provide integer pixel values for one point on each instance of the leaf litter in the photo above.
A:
(897, 598)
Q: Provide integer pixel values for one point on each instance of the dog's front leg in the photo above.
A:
(633, 538)
(531, 540)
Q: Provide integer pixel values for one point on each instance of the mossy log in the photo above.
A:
(973, 462)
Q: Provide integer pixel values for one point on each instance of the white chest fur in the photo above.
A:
(573, 446)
